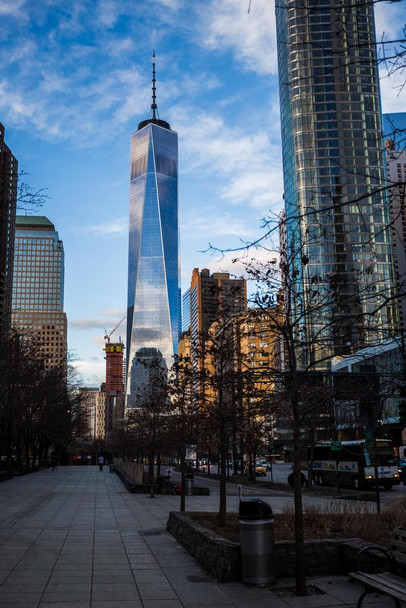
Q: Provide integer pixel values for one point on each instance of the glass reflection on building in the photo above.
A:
(334, 176)
(153, 316)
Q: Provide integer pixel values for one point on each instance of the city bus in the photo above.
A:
(352, 463)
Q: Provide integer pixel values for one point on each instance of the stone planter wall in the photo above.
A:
(221, 558)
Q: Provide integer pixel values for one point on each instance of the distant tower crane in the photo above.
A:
(108, 335)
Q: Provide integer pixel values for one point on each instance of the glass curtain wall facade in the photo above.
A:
(154, 298)
(334, 177)
(38, 287)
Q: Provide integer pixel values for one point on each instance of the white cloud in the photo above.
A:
(247, 160)
(233, 262)
(13, 8)
(115, 227)
(88, 323)
(174, 5)
(108, 321)
(393, 91)
(91, 373)
(389, 19)
(108, 13)
(227, 25)
(194, 226)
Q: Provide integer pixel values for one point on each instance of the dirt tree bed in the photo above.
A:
(333, 521)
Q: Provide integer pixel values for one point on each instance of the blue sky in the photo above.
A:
(74, 84)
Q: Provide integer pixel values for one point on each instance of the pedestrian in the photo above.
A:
(54, 463)
(169, 473)
(101, 463)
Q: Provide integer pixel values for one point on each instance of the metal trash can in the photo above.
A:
(257, 542)
(189, 484)
(111, 465)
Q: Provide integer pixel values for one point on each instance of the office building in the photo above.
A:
(213, 297)
(38, 287)
(396, 169)
(114, 383)
(101, 412)
(154, 311)
(186, 311)
(372, 381)
(8, 202)
(88, 404)
(394, 133)
(336, 212)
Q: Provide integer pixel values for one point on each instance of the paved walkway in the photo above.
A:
(75, 538)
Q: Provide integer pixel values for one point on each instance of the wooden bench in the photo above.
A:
(385, 582)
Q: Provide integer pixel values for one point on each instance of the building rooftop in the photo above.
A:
(34, 221)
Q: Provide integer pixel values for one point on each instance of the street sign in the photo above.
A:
(336, 446)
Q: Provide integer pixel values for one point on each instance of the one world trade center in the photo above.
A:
(153, 313)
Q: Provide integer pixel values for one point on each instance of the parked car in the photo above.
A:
(260, 470)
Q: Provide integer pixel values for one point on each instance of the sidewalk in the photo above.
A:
(75, 538)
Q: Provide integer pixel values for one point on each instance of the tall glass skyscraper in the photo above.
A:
(154, 299)
(38, 287)
(334, 177)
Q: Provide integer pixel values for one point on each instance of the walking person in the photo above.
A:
(101, 463)
(54, 463)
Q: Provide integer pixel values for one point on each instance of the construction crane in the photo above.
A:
(108, 335)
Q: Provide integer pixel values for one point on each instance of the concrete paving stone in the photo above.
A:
(157, 592)
(124, 577)
(34, 567)
(174, 562)
(273, 602)
(137, 550)
(65, 586)
(67, 596)
(24, 586)
(17, 595)
(312, 601)
(202, 603)
(340, 587)
(7, 566)
(29, 575)
(162, 604)
(119, 604)
(122, 591)
(114, 559)
(62, 579)
(3, 575)
(149, 576)
(109, 572)
(61, 605)
(103, 549)
(142, 560)
(22, 604)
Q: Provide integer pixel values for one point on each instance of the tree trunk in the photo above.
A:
(151, 477)
(299, 527)
(182, 483)
(222, 520)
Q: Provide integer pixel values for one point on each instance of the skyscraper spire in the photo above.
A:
(154, 107)
(155, 115)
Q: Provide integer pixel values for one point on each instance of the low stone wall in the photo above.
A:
(221, 558)
(132, 470)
